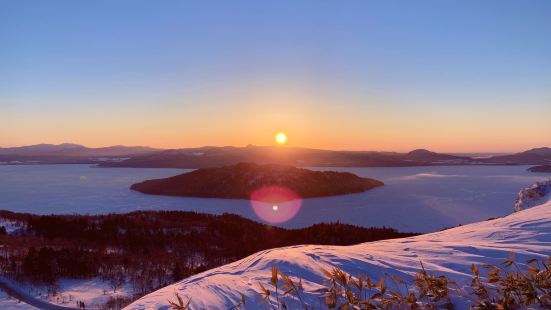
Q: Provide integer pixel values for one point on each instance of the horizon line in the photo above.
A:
(275, 146)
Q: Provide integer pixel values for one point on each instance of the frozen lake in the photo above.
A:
(420, 199)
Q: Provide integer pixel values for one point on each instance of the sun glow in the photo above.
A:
(281, 138)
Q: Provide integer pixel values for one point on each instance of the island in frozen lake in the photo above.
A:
(243, 179)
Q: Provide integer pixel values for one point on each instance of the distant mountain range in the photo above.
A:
(210, 156)
(222, 156)
(67, 153)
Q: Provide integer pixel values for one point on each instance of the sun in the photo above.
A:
(281, 138)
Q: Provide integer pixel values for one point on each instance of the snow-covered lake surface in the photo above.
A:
(421, 199)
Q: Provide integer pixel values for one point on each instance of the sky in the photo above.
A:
(451, 76)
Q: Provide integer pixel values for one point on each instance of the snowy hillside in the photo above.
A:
(451, 252)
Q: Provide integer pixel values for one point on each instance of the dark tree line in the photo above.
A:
(150, 249)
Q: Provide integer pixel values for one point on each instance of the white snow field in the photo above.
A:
(526, 233)
(10, 303)
(93, 292)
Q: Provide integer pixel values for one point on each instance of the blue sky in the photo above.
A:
(448, 75)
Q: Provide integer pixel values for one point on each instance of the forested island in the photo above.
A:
(241, 180)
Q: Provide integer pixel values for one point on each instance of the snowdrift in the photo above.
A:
(451, 252)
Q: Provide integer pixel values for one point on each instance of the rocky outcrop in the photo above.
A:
(533, 195)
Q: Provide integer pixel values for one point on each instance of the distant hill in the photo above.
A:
(69, 153)
(541, 169)
(537, 156)
(294, 156)
(38, 149)
(426, 155)
(241, 180)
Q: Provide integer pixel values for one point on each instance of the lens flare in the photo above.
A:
(275, 204)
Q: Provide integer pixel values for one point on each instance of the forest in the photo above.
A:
(148, 249)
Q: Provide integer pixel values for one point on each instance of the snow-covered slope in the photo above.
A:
(9, 303)
(451, 252)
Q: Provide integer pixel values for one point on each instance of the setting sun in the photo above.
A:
(281, 138)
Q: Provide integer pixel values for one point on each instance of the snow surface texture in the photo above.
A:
(93, 292)
(532, 195)
(9, 303)
(450, 252)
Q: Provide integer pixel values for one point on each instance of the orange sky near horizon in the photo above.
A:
(307, 123)
(331, 138)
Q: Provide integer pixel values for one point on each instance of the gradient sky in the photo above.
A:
(451, 76)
